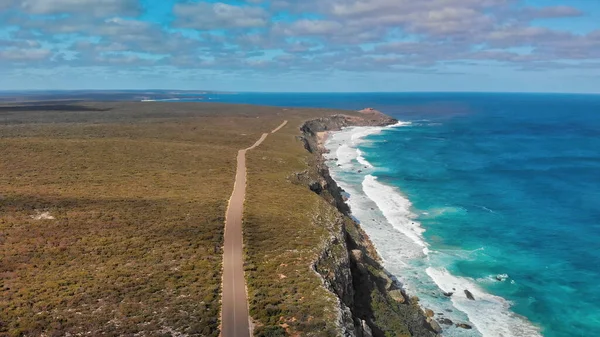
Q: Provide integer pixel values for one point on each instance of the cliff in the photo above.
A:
(371, 301)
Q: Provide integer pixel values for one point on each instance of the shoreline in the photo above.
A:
(368, 275)
(501, 321)
(438, 323)
(322, 138)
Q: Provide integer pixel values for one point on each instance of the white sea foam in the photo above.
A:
(490, 314)
(396, 208)
(395, 247)
(387, 217)
(347, 150)
(501, 277)
(345, 154)
(361, 160)
(446, 210)
(400, 123)
(161, 100)
(490, 279)
(359, 133)
(351, 138)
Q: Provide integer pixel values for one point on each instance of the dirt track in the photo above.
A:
(234, 314)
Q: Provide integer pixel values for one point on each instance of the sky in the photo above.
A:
(301, 45)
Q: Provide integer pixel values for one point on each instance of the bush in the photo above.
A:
(270, 331)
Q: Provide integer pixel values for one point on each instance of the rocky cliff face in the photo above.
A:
(337, 122)
(371, 302)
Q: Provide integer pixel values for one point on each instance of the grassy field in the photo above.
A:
(111, 215)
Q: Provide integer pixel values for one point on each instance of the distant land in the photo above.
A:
(103, 95)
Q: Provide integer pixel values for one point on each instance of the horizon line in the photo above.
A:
(299, 92)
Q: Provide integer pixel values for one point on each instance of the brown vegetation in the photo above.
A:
(111, 222)
(138, 193)
(285, 226)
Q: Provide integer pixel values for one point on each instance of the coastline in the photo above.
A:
(315, 265)
(399, 242)
(322, 139)
(375, 302)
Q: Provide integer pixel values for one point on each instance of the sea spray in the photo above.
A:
(396, 208)
(361, 160)
(388, 218)
(345, 154)
(490, 314)
(531, 161)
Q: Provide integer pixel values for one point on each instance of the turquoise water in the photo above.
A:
(498, 194)
(524, 175)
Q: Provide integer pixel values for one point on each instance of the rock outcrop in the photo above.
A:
(469, 295)
(371, 302)
(464, 326)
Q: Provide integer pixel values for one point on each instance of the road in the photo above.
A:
(234, 316)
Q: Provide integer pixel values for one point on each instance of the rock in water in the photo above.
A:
(464, 326)
(448, 294)
(446, 321)
(469, 295)
(501, 277)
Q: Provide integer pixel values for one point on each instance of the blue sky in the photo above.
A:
(301, 45)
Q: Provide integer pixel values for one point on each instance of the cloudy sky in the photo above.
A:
(301, 45)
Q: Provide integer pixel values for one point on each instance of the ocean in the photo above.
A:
(497, 194)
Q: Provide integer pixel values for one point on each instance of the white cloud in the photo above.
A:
(91, 7)
(120, 59)
(19, 43)
(309, 27)
(5, 4)
(340, 34)
(23, 55)
(554, 12)
(208, 16)
(525, 36)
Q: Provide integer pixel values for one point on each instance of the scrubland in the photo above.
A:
(133, 197)
(112, 221)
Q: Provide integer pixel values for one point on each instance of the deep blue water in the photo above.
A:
(521, 176)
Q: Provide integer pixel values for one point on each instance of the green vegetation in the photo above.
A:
(112, 214)
(138, 194)
(285, 228)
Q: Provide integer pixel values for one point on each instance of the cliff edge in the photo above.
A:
(371, 301)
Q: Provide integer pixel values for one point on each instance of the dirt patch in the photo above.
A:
(42, 216)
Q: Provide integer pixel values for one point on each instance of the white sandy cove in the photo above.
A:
(387, 217)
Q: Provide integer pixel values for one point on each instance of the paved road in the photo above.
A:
(235, 317)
